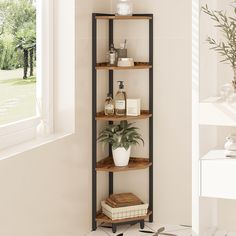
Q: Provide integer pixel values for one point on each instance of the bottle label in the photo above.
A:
(109, 107)
(120, 104)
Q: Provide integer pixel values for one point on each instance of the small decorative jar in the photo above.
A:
(124, 8)
(109, 108)
(230, 144)
(112, 56)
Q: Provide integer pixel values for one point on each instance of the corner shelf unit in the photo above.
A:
(107, 164)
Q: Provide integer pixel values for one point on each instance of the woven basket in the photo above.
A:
(124, 212)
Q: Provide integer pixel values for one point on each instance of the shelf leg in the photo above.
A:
(142, 224)
(110, 183)
(111, 38)
(151, 119)
(114, 227)
(94, 124)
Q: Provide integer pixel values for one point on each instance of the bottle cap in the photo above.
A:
(121, 85)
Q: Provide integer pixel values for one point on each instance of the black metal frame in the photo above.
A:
(94, 122)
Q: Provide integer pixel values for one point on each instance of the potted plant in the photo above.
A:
(121, 137)
(226, 48)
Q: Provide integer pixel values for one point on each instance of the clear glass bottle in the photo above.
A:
(109, 109)
(120, 100)
(112, 56)
(124, 8)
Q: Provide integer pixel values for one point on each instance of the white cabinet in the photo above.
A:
(218, 175)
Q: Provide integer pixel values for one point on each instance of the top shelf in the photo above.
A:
(133, 17)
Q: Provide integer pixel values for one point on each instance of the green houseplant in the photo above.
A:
(121, 137)
(227, 47)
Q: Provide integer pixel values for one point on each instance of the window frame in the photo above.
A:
(25, 130)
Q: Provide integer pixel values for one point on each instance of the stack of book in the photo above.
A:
(124, 205)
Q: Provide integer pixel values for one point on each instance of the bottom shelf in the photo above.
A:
(104, 219)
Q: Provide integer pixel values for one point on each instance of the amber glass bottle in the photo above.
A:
(120, 100)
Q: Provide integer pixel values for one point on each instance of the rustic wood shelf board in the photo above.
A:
(137, 65)
(123, 17)
(135, 163)
(104, 219)
(144, 115)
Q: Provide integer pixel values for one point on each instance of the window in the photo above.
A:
(54, 98)
(18, 60)
(25, 69)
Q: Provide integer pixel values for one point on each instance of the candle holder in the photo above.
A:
(124, 8)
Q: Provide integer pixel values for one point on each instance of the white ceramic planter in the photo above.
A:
(121, 156)
(230, 144)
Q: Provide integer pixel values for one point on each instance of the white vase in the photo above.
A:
(121, 156)
(230, 144)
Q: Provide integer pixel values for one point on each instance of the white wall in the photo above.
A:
(47, 191)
